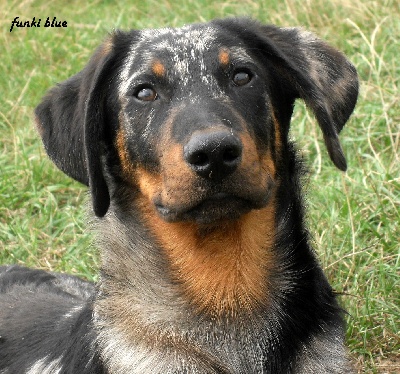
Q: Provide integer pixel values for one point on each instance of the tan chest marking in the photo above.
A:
(221, 269)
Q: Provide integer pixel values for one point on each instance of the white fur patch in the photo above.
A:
(72, 312)
(45, 366)
(328, 345)
(122, 357)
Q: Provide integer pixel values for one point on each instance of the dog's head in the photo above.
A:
(194, 119)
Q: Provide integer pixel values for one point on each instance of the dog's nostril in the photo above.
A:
(231, 154)
(213, 155)
(198, 159)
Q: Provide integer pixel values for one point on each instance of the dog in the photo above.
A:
(206, 266)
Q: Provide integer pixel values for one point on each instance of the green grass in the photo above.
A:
(354, 217)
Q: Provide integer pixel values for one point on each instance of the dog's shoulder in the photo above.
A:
(14, 276)
(55, 309)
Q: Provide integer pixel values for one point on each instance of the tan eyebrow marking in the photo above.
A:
(158, 68)
(224, 57)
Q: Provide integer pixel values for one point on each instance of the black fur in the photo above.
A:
(222, 95)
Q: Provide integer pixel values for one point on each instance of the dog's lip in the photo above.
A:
(217, 207)
(220, 196)
(217, 198)
(217, 204)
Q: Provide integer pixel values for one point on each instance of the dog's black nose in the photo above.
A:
(213, 154)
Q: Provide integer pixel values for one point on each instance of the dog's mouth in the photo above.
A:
(215, 208)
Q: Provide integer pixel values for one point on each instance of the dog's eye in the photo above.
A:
(240, 78)
(146, 94)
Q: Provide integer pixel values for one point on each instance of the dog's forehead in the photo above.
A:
(189, 51)
(190, 37)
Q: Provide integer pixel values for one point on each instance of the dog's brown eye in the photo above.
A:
(241, 78)
(146, 94)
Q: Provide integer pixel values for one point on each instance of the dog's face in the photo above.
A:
(196, 125)
(195, 119)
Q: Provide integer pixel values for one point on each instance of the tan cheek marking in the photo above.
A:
(278, 136)
(177, 175)
(127, 167)
(224, 57)
(158, 68)
(150, 185)
(253, 165)
(268, 164)
(171, 185)
(226, 269)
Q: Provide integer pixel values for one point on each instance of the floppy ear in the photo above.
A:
(313, 71)
(70, 120)
(322, 77)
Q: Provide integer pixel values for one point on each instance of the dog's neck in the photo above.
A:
(169, 281)
(220, 268)
(217, 270)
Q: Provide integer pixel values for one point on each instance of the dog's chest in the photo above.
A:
(201, 349)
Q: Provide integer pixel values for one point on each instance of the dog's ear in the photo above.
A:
(311, 70)
(70, 120)
(322, 77)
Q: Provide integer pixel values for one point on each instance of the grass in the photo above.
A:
(354, 217)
